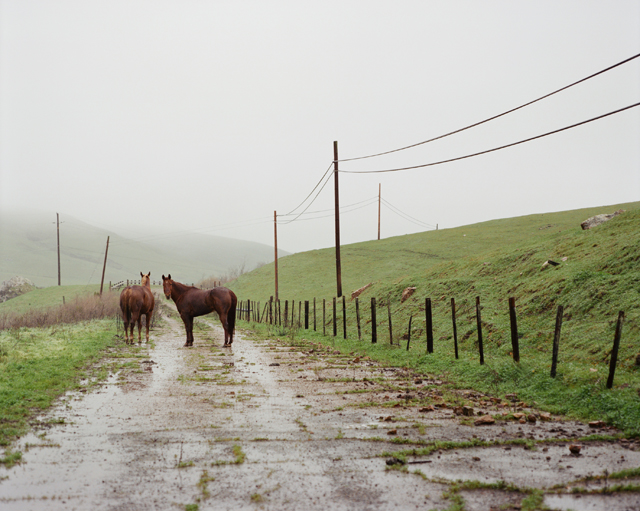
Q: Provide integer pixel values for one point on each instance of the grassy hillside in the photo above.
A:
(494, 261)
(28, 248)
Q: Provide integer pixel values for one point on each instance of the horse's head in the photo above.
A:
(166, 285)
(145, 280)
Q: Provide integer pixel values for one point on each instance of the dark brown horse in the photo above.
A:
(134, 302)
(193, 302)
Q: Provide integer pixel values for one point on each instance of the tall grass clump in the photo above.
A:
(80, 308)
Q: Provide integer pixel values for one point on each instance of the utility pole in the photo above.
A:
(104, 267)
(379, 196)
(58, 230)
(275, 243)
(337, 205)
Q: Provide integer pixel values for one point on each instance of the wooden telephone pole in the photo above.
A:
(275, 244)
(337, 214)
(379, 198)
(58, 231)
(104, 267)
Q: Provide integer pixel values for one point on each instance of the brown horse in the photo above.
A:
(193, 302)
(134, 302)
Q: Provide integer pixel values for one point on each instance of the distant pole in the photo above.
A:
(104, 267)
(379, 198)
(58, 230)
(337, 215)
(275, 243)
(614, 350)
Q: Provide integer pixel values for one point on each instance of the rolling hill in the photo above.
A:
(28, 248)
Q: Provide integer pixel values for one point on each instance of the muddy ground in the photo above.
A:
(267, 425)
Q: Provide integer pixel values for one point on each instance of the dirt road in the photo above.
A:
(265, 425)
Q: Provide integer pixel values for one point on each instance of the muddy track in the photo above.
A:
(267, 425)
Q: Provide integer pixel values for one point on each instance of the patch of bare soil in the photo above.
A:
(267, 425)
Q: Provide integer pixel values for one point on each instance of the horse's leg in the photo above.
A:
(188, 326)
(225, 326)
(139, 323)
(148, 316)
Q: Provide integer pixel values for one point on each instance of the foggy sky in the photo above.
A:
(208, 116)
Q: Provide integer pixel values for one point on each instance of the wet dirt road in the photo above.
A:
(268, 425)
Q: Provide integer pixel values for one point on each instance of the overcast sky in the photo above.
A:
(195, 115)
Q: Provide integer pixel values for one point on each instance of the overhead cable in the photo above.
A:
(404, 215)
(496, 116)
(491, 150)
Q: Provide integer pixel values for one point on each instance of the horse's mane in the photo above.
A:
(182, 287)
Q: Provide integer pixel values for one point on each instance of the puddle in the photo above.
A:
(145, 444)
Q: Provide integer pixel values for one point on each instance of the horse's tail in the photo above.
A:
(125, 306)
(231, 315)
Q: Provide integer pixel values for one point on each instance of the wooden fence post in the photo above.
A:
(324, 316)
(389, 314)
(271, 310)
(335, 318)
(314, 314)
(409, 332)
(286, 313)
(556, 341)
(344, 316)
(514, 329)
(300, 314)
(455, 328)
(614, 351)
(374, 328)
(358, 319)
(306, 314)
(429, 318)
(293, 313)
(479, 324)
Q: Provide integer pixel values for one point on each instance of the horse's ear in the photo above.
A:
(141, 274)
(163, 277)
(149, 274)
(169, 276)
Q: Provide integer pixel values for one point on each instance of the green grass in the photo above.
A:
(37, 365)
(494, 261)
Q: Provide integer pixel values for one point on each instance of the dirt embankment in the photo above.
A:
(268, 425)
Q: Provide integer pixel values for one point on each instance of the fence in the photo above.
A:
(272, 314)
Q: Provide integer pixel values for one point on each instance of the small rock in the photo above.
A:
(467, 411)
(406, 294)
(575, 449)
(518, 415)
(392, 432)
(545, 416)
(475, 458)
(428, 408)
(597, 424)
(531, 418)
(484, 420)
(395, 461)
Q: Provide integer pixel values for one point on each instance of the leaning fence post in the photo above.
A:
(614, 351)
(514, 329)
(374, 328)
(344, 316)
(409, 332)
(556, 341)
(324, 316)
(358, 319)
(335, 319)
(271, 310)
(389, 314)
(479, 323)
(427, 309)
(455, 328)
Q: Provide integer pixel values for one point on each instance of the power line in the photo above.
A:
(341, 207)
(496, 116)
(404, 215)
(313, 200)
(494, 149)
(369, 203)
(310, 193)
